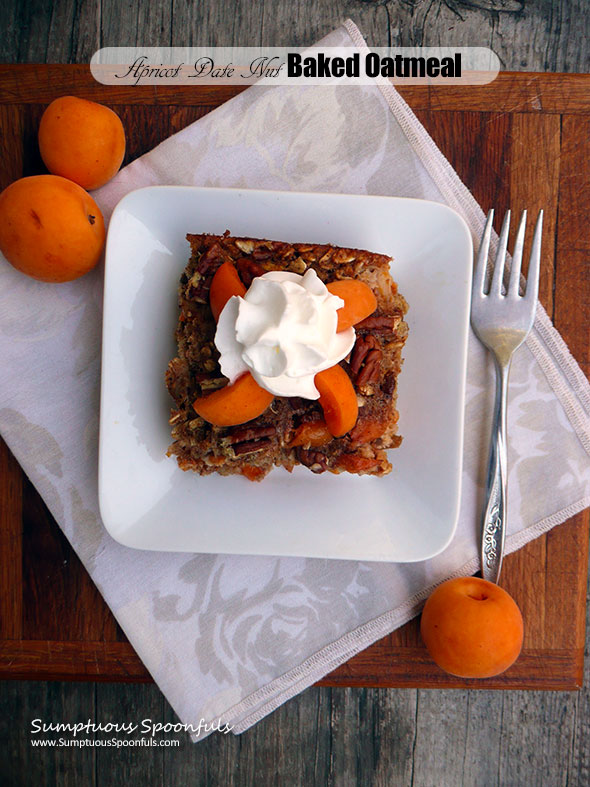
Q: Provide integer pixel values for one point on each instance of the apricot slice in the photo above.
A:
(337, 399)
(225, 283)
(81, 140)
(311, 434)
(235, 404)
(367, 430)
(50, 228)
(353, 463)
(359, 301)
(253, 473)
(472, 628)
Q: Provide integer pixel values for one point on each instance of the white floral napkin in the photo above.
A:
(230, 636)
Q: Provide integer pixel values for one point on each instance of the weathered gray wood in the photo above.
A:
(482, 717)
(128, 765)
(497, 738)
(534, 728)
(440, 738)
(373, 733)
(579, 765)
(116, 703)
(526, 35)
(84, 31)
(323, 737)
(20, 763)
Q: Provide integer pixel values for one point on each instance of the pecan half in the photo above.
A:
(370, 370)
(239, 434)
(315, 460)
(388, 385)
(198, 285)
(250, 446)
(213, 254)
(362, 347)
(249, 439)
(365, 361)
(248, 269)
(379, 323)
(262, 253)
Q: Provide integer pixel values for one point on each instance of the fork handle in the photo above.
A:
(494, 518)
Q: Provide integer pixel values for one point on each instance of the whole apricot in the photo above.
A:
(81, 140)
(50, 228)
(472, 628)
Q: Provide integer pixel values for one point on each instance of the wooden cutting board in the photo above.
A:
(523, 141)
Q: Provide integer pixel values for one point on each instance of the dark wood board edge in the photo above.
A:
(509, 92)
(51, 660)
(383, 667)
(535, 669)
(10, 545)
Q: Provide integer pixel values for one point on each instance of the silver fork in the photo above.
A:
(501, 318)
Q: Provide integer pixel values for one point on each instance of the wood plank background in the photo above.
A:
(547, 35)
(327, 736)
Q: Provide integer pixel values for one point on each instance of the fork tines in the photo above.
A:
(512, 289)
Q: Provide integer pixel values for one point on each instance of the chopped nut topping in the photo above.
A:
(298, 266)
(315, 460)
(213, 383)
(245, 245)
(248, 270)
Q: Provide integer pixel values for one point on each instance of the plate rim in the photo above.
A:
(123, 538)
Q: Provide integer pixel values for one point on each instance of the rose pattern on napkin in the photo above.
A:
(236, 649)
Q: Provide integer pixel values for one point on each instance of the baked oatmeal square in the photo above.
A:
(291, 431)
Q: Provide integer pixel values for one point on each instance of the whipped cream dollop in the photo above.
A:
(283, 331)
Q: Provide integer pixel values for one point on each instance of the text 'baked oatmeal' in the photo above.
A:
(288, 354)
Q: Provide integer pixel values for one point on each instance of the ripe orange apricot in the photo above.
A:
(337, 399)
(224, 284)
(50, 228)
(311, 434)
(472, 628)
(236, 403)
(81, 140)
(359, 301)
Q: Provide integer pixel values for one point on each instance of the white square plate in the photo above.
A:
(148, 503)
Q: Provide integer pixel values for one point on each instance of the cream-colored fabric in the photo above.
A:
(236, 636)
